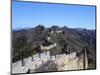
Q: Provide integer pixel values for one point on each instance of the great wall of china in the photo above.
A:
(62, 61)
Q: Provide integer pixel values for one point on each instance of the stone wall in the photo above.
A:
(48, 47)
(63, 62)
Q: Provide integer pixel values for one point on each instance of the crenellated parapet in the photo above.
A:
(63, 62)
(48, 47)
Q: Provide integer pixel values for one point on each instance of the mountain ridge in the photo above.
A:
(29, 40)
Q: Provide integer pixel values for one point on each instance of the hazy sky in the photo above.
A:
(29, 14)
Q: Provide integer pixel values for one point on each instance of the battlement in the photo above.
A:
(69, 62)
(48, 47)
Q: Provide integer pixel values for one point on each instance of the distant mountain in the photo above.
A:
(27, 42)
